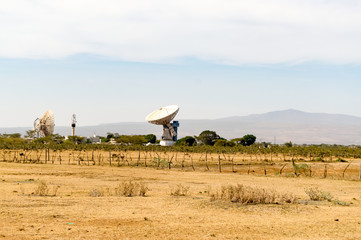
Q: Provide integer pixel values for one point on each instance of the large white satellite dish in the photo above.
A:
(44, 126)
(164, 116)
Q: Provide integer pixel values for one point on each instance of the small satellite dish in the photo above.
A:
(164, 116)
(45, 125)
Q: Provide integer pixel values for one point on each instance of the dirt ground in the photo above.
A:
(75, 213)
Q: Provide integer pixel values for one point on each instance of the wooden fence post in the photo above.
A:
(138, 158)
(206, 160)
(46, 155)
(219, 163)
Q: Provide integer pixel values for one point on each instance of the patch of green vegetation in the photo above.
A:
(341, 160)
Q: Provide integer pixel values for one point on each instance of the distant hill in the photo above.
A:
(280, 126)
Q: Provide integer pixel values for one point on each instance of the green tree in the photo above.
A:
(110, 135)
(131, 139)
(248, 140)
(237, 140)
(186, 141)
(76, 139)
(208, 137)
(12, 135)
(224, 143)
(57, 138)
(30, 134)
(150, 138)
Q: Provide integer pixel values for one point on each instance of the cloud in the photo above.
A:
(227, 31)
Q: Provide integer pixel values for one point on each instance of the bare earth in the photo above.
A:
(74, 214)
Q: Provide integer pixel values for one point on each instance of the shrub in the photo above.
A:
(143, 189)
(179, 190)
(244, 195)
(96, 193)
(340, 160)
(43, 189)
(288, 198)
(250, 195)
(129, 189)
(317, 195)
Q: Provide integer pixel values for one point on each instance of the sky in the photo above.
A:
(116, 61)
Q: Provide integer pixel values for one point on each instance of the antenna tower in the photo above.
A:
(73, 124)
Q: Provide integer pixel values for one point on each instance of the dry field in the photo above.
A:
(81, 202)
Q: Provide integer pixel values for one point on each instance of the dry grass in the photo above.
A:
(74, 214)
(42, 189)
(124, 189)
(251, 195)
(179, 190)
(277, 164)
(317, 195)
(130, 189)
(96, 192)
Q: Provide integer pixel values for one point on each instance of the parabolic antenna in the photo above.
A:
(164, 116)
(45, 125)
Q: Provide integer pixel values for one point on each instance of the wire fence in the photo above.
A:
(238, 163)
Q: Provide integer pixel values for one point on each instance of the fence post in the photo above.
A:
(138, 158)
(219, 163)
(206, 160)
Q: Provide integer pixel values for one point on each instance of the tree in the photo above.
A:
(76, 139)
(186, 141)
(237, 140)
(57, 138)
(150, 138)
(110, 135)
(12, 135)
(30, 134)
(248, 140)
(208, 137)
(224, 143)
(131, 139)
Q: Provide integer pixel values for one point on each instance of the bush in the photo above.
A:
(317, 195)
(224, 143)
(179, 190)
(96, 193)
(129, 189)
(125, 189)
(250, 195)
(244, 195)
(43, 189)
(186, 141)
(341, 160)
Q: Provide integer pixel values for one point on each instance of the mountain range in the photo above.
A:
(278, 126)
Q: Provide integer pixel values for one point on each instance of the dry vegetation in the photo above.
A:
(177, 196)
(282, 164)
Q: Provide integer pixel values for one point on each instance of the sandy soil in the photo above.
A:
(74, 214)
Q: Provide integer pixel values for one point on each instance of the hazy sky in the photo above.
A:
(115, 61)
